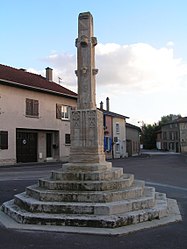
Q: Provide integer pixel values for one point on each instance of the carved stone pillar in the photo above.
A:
(86, 122)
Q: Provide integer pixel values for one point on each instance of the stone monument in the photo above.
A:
(86, 122)
(88, 191)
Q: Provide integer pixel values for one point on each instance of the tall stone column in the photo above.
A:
(86, 122)
(86, 71)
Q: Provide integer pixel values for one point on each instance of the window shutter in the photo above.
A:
(32, 107)
(105, 143)
(28, 106)
(35, 107)
(110, 143)
(58, 111)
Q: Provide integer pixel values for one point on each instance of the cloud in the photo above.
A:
(170, 44)
(136, 67)
(139, 67)
(64, 66)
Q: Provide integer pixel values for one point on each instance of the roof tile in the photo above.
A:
(19, 76)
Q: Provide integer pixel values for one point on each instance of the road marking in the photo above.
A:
(166, 185)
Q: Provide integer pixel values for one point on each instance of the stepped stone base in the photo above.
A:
(99, 221)
(88, 196)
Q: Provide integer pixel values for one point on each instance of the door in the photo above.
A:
(129, 147)
(49, 145)
(26, 147)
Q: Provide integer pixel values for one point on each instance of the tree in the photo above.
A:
(168, 118)
(148, 131)
(148, 136)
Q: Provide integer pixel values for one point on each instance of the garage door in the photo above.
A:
(26, 147)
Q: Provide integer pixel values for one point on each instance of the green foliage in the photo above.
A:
(168, 118)
(148, 136)
(148, 131)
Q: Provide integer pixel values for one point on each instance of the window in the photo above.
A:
(3, 140)
(117, 148)
(133, 146)
(117, 127)
(165, 145)
(104, 121)
(63, 111)
(171, 135)
(171, 146)
(67, 139)
(176, 135)
(164, 135)
(32, 107)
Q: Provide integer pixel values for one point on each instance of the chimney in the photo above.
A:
(23, 69)
(107, 104)
(49, 74)
(101, 105)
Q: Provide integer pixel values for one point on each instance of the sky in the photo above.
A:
(141, 52)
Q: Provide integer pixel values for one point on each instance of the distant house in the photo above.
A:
(173, 136)
(34, 117)
(182, 122)
(159, 139)
(170, 137)
(133, 139)
(114, 133)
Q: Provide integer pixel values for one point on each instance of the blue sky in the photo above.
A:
(141, 53)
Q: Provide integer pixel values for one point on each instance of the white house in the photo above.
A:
(34, 117)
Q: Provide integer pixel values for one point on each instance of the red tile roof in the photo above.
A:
(22, 78)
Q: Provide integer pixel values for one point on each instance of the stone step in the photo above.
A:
(86, 167)
(34, 205)
(135, 191)
(110, 174)
(101, 221)
(125, 181)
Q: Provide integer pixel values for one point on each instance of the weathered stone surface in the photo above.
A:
(121, 206)
(87, 137)
(104, 221)
(86, 167)
(116, 184)
(113, 173)
(135, 191)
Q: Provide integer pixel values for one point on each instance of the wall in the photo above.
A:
(119, 148)
(183, 137)
(108, 133)
(133, 140)
(170, 137)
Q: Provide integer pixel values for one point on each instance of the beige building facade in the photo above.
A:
(183, 135)
(115, 137)
(119, 137)
(172, 136)
(133, 139)
(34, 120)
